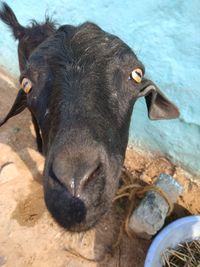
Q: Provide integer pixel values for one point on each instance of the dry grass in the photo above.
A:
(185, 255)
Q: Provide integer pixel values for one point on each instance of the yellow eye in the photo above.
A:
(26, 85)
(136, 75)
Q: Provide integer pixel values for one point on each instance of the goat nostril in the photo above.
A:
(88, 178)
(75, 180)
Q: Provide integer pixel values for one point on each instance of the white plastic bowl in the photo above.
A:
(179, 231)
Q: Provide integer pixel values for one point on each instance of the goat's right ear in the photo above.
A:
(158, 105)
(19, 105)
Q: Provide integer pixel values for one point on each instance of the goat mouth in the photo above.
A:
(73, 212)
(67, 210)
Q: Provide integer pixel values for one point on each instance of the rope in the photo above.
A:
(131, 190)
(154, 188)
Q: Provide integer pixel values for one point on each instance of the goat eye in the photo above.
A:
(26, 85)
(136, 75)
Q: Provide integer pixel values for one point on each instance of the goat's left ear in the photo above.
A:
(19, 105)
(159, 107)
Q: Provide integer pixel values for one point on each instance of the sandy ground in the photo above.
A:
(28, 234)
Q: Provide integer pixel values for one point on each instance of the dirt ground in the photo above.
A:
(29, 237)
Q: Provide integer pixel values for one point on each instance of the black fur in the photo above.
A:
(82, 99)
(9, 18)
(29, 38)
(83, 83)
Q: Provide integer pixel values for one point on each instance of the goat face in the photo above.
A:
(84, 83)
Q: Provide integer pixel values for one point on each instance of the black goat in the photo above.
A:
(81, 84)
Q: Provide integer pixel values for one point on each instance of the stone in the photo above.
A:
(8, 171)
(148, 218)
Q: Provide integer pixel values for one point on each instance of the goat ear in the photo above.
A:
(19, 105)
(159, 107)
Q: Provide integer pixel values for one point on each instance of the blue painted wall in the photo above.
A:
(166, 37)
